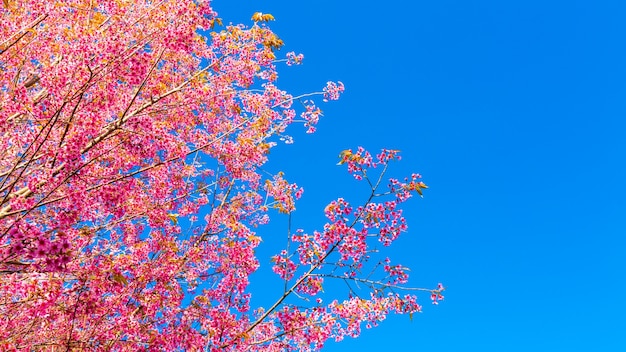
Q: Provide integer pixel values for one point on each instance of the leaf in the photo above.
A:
(418, 187)
(6, 3)
(120, 279)
(173, 217)
(215, 21)
(344, 156)
(262, 17)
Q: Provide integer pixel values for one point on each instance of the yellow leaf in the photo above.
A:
(344, 156)
(120, 279)
(418, 187)
(258, 16)
(262, 17)
(173, 217)
(215, 21)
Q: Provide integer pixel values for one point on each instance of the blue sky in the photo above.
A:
(514, 114)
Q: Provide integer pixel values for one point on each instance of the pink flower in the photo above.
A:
(332, 90)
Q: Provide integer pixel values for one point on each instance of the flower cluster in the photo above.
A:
(28, 245)
(283, 266)
(285, 194)
(293, 59)
(397, 274)
(355, 311)
(403, 190)
(436, 295)
(385, 217)
(311, 285)
(333, 90)
(311, 115)
(357, 161)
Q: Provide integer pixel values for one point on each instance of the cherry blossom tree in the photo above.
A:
(131, 195)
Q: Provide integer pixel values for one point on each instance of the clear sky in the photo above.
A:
(514, 113)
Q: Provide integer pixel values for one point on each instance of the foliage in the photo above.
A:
(130, 189)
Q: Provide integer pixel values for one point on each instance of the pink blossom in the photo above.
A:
(135, 188)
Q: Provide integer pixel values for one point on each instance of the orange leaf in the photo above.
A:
(257, 16)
